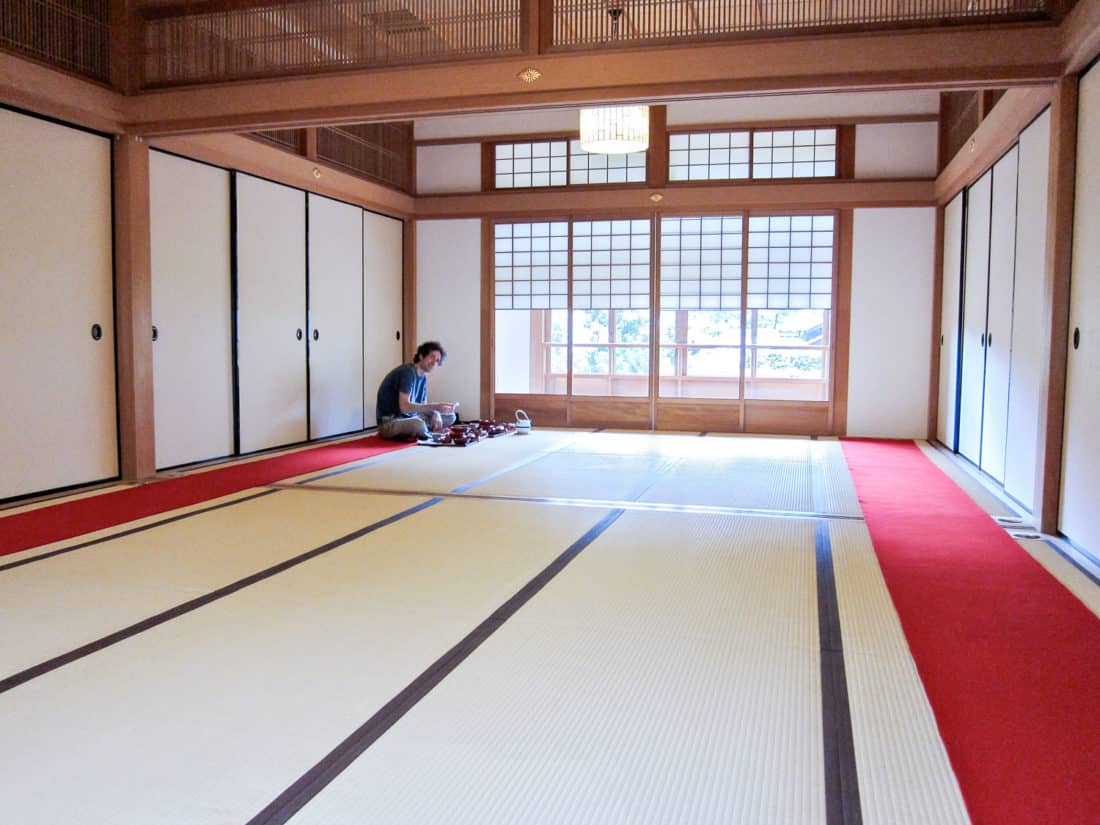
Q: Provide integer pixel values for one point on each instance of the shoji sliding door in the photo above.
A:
(193, 346)
(57, 339)
(271, 313)
(998, 330)
(1028, 347)
(383, 240)
(949, 320)
(335, 317)
(1081, 447)
(974, 295)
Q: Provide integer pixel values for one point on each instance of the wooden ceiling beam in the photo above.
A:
(1025, 54)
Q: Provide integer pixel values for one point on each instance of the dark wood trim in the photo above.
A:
(133, 307)
(488, 167)
(408, 290)
(1056, 301)
(656, 173)
(488, 342)
(993, 137)
(311, 142)
(524, 137)
(803, 194)
(846, 152)
(843, 321)
(546, 26)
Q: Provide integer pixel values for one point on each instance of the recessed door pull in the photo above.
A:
(989, 339)
(316, 335)
(1076, 337)
(97, 332)
(398, 335)
(156, 332)
(299, 334)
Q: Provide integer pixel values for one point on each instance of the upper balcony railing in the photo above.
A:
(184, 42)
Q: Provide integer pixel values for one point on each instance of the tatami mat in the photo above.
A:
(668, 675)
(207, 718)
(899, 785)
(568, 474)
(75, 598)
(444, 469)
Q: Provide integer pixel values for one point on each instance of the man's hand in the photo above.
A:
(445, 407)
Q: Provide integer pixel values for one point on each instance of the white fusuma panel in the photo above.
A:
(189, 226)
(57, 339)
(1081, 447)
(998, 329)
(448, 307)
(335, 317)
(893, 270)
(949, 320)
(271, 313)
(383, 295)
(975, 292)
(1028, 347)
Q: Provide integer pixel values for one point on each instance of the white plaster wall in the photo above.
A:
(497, 123)
(893, 259)
(452, 167)
(787, 107)
(748, 109)
(513, 362)
(448, 307)
(896, 150)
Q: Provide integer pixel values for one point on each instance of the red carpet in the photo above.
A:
(73, 518)
(1009, 658)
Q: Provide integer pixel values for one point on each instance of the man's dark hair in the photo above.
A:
(427, 348)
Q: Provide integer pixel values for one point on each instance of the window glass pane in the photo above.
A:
(591, 361)
(788, 354)
(705, 361)
(705, 327)
(632, 326)
(591, 326)
(772, 363)
(631, 361)
(714, 362)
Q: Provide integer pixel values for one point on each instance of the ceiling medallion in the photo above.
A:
(529, 75)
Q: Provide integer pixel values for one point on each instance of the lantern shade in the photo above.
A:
(615, 130)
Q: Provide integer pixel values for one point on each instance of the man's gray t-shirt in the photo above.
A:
(402, 379)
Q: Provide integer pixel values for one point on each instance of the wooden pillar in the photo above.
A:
(657, 157)
(133, 307)
(125, 47)
(1056, 294)
(408, 289)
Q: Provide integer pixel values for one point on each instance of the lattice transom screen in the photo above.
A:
(611, 264)
(790, 262)
(531, 265)
(701, 262)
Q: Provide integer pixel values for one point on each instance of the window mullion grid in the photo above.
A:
(743, 354)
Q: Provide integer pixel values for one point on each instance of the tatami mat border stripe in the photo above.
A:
(294, 798)
(131, 531)
(842, 805)
(121, 635)
(1061, 551)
